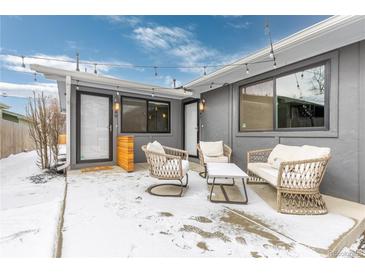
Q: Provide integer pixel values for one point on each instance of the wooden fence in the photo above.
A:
(14, 137)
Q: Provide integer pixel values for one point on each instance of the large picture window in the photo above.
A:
(144, 116)
(295, 100)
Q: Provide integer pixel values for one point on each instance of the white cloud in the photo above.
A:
(14, 63)
(26, 90)
(124, 20)
(178, 43)
(239, 25)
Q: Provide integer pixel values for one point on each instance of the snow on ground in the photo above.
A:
(108, 213)
(29, 208)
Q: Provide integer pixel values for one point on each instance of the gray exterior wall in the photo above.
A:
(172, 139)
(345, 177)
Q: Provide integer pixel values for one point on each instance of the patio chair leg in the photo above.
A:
(204, 173)
(182, 186)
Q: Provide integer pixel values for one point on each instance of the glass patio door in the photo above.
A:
(94, 127)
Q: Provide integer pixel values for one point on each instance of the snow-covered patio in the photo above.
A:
(109, 213)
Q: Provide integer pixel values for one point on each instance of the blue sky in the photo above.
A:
(142, 40)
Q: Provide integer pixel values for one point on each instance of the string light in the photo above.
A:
(153, 92)
(274, 65)
(155, 68)
(271, 54)
(174, 82)
(23, 65)
(132, 66)
(95, 71)
(77, 61)
(77, 85)
(35, 77)
(247, 70)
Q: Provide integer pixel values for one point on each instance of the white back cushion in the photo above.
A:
(212, 149)
(155, 147)
(313, 152)
(283, 153)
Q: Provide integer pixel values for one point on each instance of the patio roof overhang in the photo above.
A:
(330, 34)
(105, 82)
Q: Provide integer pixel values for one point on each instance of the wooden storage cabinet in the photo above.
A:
(125, 152)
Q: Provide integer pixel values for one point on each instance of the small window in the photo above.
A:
(300, 99)
(158, 116)
(144, 116)
(256, 107)
(134, 115)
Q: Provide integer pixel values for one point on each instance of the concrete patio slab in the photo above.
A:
(108, 213)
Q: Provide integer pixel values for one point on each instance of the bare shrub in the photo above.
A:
(46, 123)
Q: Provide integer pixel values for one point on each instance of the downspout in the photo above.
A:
(68, 124)
(68, 121)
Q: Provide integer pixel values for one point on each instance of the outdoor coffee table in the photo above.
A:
(226, 171)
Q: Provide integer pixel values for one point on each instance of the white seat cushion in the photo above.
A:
(155, 147)
(175, 162)
(265, 171)
(185, 166)
(212, 149)
(220, 159)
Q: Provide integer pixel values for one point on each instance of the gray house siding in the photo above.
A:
(345, 177)
(172, 139)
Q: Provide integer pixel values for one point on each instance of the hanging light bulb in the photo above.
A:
(271, 54)
(155, 68)
(247, 70)
(77, 85)
(211, 85)
(95, 71)
(274, 65)
(23, 65)
(153, 92)
(205, 70)
(174, 81)
(35, 77)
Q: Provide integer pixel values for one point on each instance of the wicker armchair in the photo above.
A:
(227, 152)
(172, 165)
(297, 183)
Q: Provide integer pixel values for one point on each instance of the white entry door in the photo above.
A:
(95, 127)
(191, 128)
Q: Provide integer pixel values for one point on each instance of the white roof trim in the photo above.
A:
(330, 24)
(109, 82)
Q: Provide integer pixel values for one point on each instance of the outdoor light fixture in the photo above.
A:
(271, 54)
(116, 105)
(202, 105)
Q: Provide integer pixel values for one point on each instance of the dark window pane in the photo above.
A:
(158, 116)
(301, 98)
(256, 107)
(134, 116)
